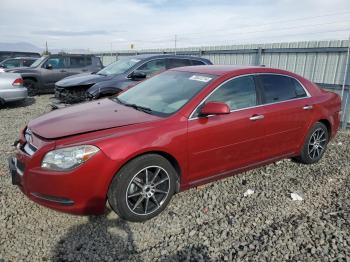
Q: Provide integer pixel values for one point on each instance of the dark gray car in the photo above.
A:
(42, 75)
(118, 76)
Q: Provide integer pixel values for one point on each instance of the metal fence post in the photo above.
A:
(346, 73)
(258, 57)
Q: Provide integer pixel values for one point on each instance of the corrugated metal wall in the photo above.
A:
(322, 62)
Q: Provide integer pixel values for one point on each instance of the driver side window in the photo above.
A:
(152, 67)
(237, 93)
(56, 62)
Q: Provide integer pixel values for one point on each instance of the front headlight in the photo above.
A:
(68, 158)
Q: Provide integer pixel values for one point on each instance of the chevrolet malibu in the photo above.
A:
(182, 128)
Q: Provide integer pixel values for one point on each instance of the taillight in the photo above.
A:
(18, 82)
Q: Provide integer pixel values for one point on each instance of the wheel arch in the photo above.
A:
(327, 123)
(173, 161)
(31, 78)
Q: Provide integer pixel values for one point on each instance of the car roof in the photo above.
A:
(220, 70)
(20, 57)
(153, 56)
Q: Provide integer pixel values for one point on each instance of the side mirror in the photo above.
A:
(215, 108)
(48, 66)
(137, 75)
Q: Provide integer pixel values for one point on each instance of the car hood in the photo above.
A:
(82, 79)
(87, 117)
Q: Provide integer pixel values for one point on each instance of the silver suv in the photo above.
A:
(42, 75)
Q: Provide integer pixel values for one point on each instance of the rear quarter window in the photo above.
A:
(177, 62)
(197, 62)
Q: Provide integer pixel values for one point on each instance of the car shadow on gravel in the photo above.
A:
(16, 104)
(106, 239)
(100, 239)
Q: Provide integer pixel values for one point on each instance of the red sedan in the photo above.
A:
(179, 129)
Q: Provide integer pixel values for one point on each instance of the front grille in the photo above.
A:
(71, 95)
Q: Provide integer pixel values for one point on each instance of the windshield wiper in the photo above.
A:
(137, 107)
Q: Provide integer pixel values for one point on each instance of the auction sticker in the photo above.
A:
(204, 79)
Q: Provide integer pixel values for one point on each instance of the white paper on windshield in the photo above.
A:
(204, 79)
(135, 60)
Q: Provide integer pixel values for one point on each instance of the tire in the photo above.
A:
(315, 144)
(137, 198)
(32, 86)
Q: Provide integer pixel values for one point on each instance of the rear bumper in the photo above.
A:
(13, 94)
(81, 191)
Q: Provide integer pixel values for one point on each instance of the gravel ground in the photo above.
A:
(211, 223)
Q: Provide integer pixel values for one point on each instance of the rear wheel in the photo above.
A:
(142, 188)
(32, 86)
(315, 144)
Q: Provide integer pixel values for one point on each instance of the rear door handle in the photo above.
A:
(63, 71)
(256, 117)
(308, 107)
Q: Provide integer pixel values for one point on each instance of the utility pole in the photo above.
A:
(47, 49)
(175, 42)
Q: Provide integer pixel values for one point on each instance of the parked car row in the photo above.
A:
(178, 129)
(76, 78)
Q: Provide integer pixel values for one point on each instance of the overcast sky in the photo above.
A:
(101, 24)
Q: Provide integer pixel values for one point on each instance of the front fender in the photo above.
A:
(108, 88)
(96, 91)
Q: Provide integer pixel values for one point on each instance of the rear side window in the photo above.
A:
(278, 88)
(196, 62)
(175, 62)
(77, 61)
(237, 93)
(88, 60)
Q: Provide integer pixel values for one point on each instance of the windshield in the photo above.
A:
(119, 66)
(165, 93)
(38, 62)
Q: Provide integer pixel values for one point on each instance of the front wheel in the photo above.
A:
(142, 188)
(315, 144)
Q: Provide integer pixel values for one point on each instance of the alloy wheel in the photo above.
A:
(148, 190)
(317, 143)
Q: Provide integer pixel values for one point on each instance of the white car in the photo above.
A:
(11, 88)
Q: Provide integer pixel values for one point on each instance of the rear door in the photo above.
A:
(78, 64)
(220, 143)
(287, 112)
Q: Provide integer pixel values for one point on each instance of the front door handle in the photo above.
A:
(63, 71)
(308, 107)
(256, 117)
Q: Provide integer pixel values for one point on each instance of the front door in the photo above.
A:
(221, 143)
(57, 71)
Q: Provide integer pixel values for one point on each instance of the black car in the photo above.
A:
(114, 78)
(42, 75)
(18, 62)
